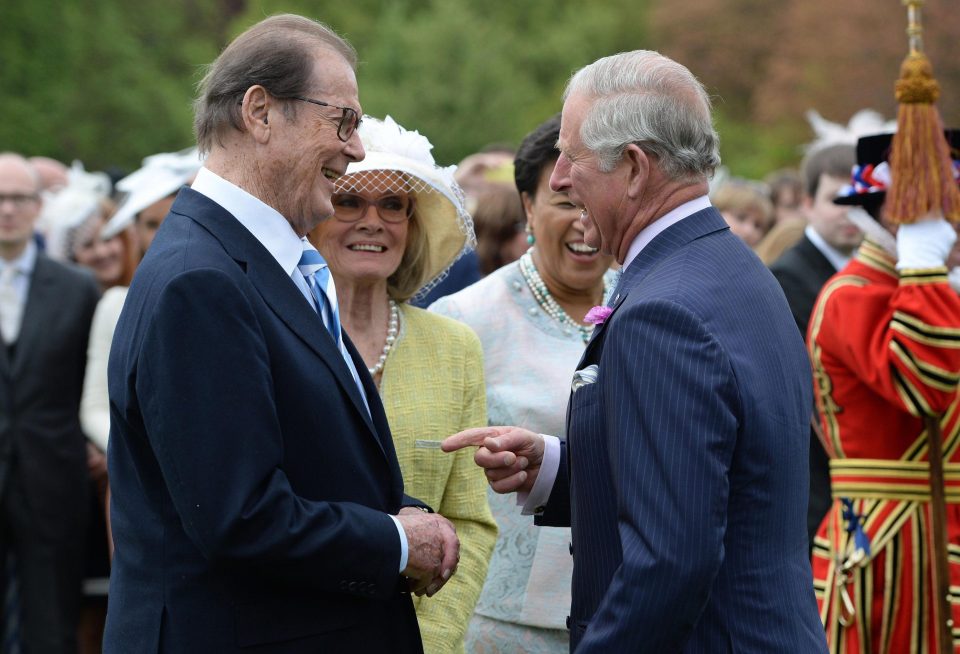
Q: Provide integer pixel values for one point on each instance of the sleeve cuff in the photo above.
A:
(534, 501)
(403, 543)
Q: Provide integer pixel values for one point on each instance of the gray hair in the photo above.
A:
(278, 54)
(645, 98)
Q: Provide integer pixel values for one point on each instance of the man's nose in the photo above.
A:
(354, 149)
(559, 178)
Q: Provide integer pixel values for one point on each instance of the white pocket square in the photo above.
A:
(583, 377)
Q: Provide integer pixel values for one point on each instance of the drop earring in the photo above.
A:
(531, 239)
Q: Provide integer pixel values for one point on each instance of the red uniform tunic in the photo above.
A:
(885, 349)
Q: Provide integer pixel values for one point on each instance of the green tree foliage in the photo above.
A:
(103, 81)
(467, 74)
(111, 81)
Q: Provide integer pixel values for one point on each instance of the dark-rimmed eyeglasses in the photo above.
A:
(349, 120)
(19, 200)
(349, 207)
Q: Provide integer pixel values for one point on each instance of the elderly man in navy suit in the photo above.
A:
(684, 472)
(256, 493)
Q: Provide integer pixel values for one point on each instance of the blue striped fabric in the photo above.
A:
(315, 270)
(10, 633)
(686, 462)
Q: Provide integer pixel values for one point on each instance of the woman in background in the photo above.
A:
(500, 223)
(399, 223)
(746, 207)
(529, 317)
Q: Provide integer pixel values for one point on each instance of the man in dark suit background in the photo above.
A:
(828, 243)
(690, 408)
(45, 314)
(255, 485)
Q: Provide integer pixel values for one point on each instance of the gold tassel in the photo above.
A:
(921, 167)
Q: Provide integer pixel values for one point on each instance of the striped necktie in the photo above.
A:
(317, 273)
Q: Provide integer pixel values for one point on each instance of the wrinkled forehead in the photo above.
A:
(335, 79)
(574, 112)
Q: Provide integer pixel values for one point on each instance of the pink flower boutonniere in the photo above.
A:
(597, 315)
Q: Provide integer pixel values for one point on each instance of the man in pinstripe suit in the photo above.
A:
(684, 471)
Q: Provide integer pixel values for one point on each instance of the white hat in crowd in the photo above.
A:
(161, 175)
(67, 210)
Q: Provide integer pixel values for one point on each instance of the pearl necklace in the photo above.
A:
(392, 329)
(543, 297)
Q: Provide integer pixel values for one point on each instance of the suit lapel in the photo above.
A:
(39, 310)
(819, 266)
(670, 240)
(275, 287)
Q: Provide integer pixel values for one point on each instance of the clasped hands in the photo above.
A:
(510, 457)
(433, 550)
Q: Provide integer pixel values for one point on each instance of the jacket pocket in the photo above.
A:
(274, 622)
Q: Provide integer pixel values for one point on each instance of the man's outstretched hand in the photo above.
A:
(511, 456)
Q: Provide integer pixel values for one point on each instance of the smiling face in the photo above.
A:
(304, 156)
(105, 258)
(563, 258)
(368, 250)
(599, 194)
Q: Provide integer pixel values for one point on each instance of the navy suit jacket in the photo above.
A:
(684, 472)
(250, 485)
(802, 271)
(42, 448)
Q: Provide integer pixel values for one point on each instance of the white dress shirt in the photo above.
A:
(534, 501)
(836, 258)
(22, 268)
(274, 232)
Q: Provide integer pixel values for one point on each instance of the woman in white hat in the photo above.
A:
(399, 224)
(148, 196)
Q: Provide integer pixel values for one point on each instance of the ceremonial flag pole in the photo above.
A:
(923, 186)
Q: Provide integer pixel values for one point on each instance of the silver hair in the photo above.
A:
(645, 98)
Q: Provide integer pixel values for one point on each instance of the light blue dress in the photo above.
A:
(529, 359)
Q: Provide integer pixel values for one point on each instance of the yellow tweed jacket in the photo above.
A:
(432, 386)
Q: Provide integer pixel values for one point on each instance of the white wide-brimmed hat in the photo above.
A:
(439, 201)
(162, 175)
(68, 209)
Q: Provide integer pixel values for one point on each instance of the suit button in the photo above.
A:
(343, 585)
(571, 548)
(352, 585)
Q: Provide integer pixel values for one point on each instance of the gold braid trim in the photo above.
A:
(929, 374)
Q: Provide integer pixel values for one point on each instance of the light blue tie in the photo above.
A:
(317, 273)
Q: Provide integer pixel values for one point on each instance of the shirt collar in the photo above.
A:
(836, 258)
(26, 262)
(263, 221)
(651, 231)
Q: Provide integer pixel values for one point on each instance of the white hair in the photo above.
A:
(645, 98)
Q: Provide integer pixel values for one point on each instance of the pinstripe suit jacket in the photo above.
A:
(684, 473)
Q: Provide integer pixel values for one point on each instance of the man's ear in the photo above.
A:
(255, 111)
(638, 170)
